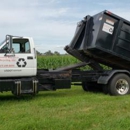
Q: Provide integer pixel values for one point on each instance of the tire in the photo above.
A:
(85, 86)
(119, 85)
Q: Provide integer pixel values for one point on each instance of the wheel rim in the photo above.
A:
(122, 86)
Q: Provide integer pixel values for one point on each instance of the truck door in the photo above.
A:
(19, 61)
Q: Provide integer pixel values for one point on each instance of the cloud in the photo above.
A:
(54, 12)
(40, 20)
(51, 23)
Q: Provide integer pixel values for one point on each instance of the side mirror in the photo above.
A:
(9, 41)
(9, 51)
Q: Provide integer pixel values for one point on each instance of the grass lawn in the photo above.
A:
(71, 109)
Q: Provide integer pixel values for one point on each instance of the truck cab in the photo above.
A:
(17, 57)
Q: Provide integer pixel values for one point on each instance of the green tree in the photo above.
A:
(56, 53)
(39, 53)
(48, 53)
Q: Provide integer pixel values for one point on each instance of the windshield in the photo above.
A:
(3, 46)
(2, 42)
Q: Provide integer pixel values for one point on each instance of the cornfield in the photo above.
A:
(54, 61)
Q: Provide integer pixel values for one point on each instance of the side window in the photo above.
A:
(21, 46)
(27, 47)
(16, 47)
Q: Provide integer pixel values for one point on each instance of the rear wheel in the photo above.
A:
(119, 85)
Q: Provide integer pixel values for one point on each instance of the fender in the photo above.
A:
(107, 75)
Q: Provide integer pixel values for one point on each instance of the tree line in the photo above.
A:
(48, 53)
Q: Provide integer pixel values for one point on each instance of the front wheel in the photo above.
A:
(119, 85)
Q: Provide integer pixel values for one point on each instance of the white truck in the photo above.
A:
(18, 69)
(17, 57)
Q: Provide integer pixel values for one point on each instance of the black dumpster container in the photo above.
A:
(104, 38)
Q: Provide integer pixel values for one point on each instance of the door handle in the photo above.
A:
(29, 57)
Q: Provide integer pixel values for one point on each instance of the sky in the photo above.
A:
(52, 23)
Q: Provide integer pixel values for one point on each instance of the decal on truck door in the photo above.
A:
(21, 62)
(8, 62)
